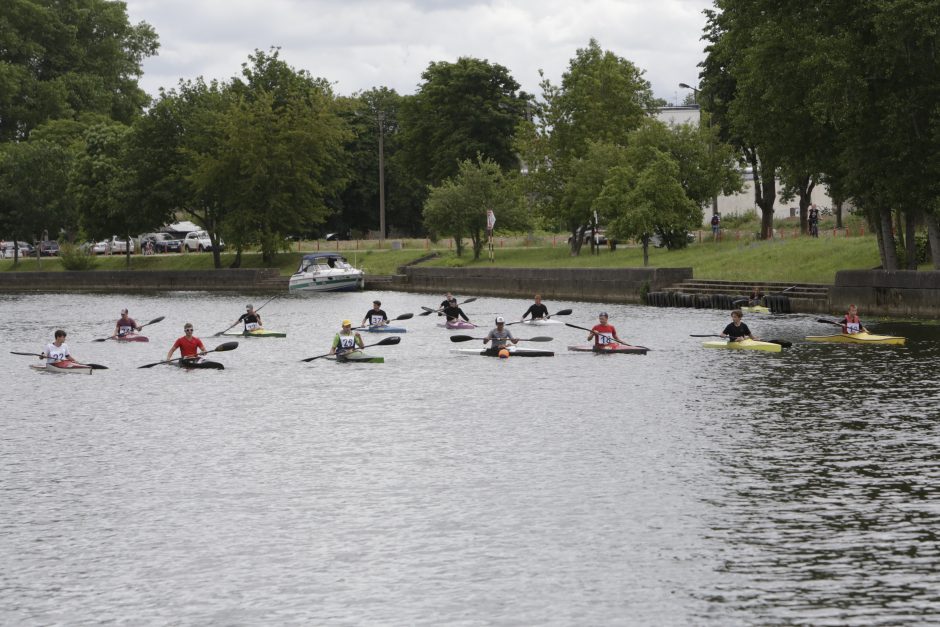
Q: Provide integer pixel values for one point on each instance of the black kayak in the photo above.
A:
(199, 364)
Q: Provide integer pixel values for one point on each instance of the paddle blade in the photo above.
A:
(462, 338)
(27, 354)
(538, 338)
(97, 366)
(406, 316)
(469, 300)
(563, 312)
(101, 339)
(156, 363)
(388, 341)
(782, 343)
(227, 346)
(155, 320)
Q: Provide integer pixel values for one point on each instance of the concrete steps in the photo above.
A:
(812, 291)
(714, 294)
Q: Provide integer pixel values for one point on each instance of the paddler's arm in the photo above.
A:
(359, 341)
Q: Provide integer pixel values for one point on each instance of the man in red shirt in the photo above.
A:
(189, 345)
(603, 334)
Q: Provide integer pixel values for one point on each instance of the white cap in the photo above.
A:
(500, 319)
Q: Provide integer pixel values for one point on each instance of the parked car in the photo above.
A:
(198, 241)
(7, 252)
(49, 248)
(162, 243)
(119, 245)
(97, 248)
(601, 238)
(658, 241)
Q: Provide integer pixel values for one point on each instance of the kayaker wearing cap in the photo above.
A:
(58, 350)
(375, 317)
(499, 336)
(190, 346)
(850, 322)
(346, 340)
(125, 325)
(251, 318)
(538, 310)
(452, 311)
(603, 333)
(737, 330)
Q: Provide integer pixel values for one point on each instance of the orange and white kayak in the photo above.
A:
(65, 367)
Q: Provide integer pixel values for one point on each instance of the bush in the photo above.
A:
(76, 259)
(738, 221)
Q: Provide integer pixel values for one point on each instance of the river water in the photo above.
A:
(687, 486)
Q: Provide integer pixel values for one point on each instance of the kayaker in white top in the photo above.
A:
(346, 340)
(500, 335)
(57, 350)
(125, 325)
(375, 317)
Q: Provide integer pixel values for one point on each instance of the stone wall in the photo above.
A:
(266, 280)
(603, 284)
(887, 292)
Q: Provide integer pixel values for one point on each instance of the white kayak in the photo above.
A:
(63, 367)
(541, 322)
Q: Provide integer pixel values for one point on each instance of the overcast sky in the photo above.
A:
(360, 44)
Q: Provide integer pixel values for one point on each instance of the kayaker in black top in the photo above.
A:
(538, 310)
(452, 311)
(444, 303)
(375, 317)
(737, 330)
(251, 318)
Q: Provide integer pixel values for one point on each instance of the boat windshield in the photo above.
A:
(324, 264)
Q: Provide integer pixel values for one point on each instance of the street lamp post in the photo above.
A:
(708, 121)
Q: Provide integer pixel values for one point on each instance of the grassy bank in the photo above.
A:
(799, 259)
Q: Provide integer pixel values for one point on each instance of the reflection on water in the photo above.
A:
(686, 486)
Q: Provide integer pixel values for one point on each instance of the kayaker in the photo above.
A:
(850, 322)
(346, 340)
(375, 317)
(737, 330)
(125, 325)
(251, 318)
(190, 346)
(499, 336)
(444, 303)
(603, 333)
(57, 350)
(452, 311)
(538, 311)
(756, 296)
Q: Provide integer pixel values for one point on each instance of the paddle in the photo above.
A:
(404, 316)
(92, 366)
(574, 326)
(428, 311)
(227, 346)
(824, 321)
(256, 311)
(782, 343)
(386, 342)
(154, 321)
(563, 312)
(467, 338)
(745, 300)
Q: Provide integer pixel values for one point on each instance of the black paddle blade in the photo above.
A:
(563, 312)
(102, 339)
(406, 316)
(227, 346)
(97, 366)
(463, 338)
(154, 321)
(388, 341)
(782, 343)
(538, 338)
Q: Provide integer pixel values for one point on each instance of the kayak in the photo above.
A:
(198, 364)
(514, 351)
(132, 337)
(255, 333)
(356, 357)
(746, 345)
(457, 324)
(541, 322)
(64, 367)
(858, 338)
(609, 349)
(384, 329)
(756, 309)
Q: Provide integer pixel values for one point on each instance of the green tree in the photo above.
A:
(61, 59)
(457, 208)
(462, 109)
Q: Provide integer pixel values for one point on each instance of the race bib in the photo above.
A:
(604, 339)
(852, 327)
(347, 342)
(376, 320)
(251, 326)
(124, 330)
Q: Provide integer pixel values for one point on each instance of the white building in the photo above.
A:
(737, 204)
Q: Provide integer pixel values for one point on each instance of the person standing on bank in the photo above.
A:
(375, 317)
(251, 318)
(737, 331)
(538, 311)
(716, 226)
(499, 336)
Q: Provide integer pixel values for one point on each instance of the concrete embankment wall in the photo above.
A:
(241, 280)
(622, 285)
(887, 292)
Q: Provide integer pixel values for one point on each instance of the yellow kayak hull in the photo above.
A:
(756, 309)
(745, 345)
(858, 338)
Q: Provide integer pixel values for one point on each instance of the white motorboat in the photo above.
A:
(326, 272)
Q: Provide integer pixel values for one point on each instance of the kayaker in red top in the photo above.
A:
(125, 325)
(189, 345)
(602, 333)
(850, 322)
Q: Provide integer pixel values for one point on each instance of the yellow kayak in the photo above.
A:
(858, 338)
(756, 309)
(747, 345)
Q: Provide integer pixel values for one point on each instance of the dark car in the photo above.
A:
(49, 248)
(162, 243)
